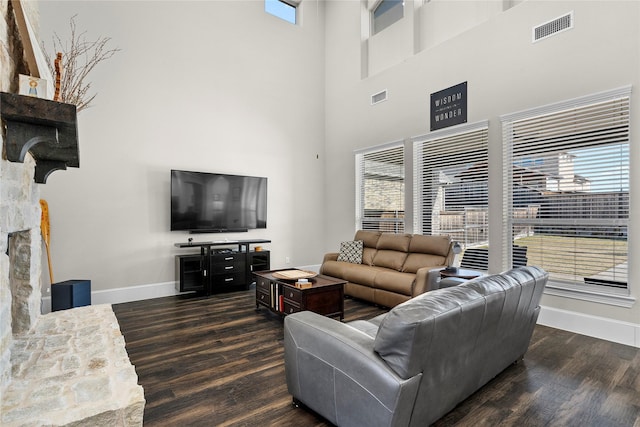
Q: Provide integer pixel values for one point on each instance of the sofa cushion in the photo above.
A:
(436, 245)
(414, 262)
(389, 259)
(369, 238)
(406, 332)
(335, 268)
(366, 327)
(362, 274)
(369, 241)
(394, 242)
(367, 255)
(356, 273)
(351, 251)
(395, 281)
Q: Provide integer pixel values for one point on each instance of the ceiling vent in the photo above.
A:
(553, 27)
(376, 98)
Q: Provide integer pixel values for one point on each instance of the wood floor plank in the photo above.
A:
(218, 361)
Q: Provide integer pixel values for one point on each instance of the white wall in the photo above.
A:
(505, 72)
(221, 86)
(218, 86)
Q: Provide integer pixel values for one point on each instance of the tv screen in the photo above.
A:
(212, 202)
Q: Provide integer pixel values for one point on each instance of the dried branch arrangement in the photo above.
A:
(79, 58)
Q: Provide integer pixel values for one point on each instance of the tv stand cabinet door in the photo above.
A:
(189, 273)
(257, 261)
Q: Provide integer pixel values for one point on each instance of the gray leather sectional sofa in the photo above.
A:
(412, 365)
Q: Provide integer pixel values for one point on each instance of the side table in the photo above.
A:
(452, 277)
(461, 273)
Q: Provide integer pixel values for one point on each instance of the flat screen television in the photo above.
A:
(203, 202)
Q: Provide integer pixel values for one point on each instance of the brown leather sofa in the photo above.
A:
(394, 267)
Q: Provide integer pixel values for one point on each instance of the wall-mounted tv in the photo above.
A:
(203, 202)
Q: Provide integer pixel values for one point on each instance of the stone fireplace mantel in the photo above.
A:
(46, 129)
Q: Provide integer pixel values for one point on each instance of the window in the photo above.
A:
(451, 195)
(380, 189)
(567, 190)
(282, 9)
(386, 12)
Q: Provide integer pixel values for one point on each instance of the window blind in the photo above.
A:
(380, 188)
(567, 189)
(451, 184)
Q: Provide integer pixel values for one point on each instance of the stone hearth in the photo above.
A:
(72, 366)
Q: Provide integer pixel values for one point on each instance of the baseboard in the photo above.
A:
(128, 294)
(138, 293)
(593, 326)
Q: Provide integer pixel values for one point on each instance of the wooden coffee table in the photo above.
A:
(325, 296)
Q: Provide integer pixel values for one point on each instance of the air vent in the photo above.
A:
(379, 97)
(553, 27)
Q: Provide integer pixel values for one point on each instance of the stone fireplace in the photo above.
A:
(20, 253)
(69, 367)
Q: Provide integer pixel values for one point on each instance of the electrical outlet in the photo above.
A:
(287, 260)
(48, 290)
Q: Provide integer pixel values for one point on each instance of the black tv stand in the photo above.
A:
(215, 270)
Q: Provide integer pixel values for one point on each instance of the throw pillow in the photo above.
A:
(351, 251)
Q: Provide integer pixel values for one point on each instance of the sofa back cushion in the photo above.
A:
(403, 252)
(370, 242)
(392, 250)
(389, 259)
(427, 251)
(369, 238)
(434, 245)
(448, 326)
(394, 242)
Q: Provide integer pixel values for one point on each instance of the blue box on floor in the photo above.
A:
(69, 294)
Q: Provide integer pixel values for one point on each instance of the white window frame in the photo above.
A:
(467, 143)
(515, 123)
(396, 222)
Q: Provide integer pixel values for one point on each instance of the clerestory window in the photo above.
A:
(285, 10)
(386, 13)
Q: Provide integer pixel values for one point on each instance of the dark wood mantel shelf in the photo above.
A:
(46, 129)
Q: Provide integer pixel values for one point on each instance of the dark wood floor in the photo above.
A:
(217, 361)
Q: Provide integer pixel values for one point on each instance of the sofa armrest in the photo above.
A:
(427, 279)
(331, 256)
(332, 368)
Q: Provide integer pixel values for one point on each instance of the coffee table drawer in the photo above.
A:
(290, 307)
(263, 284)
(263, 297)
(293, 294)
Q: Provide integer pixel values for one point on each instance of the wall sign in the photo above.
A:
(449, 107)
